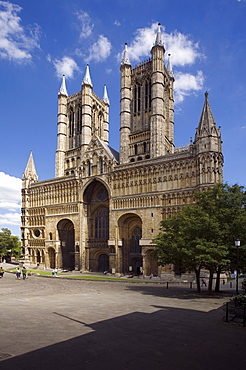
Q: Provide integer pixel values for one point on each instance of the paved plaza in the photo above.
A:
(56, 323)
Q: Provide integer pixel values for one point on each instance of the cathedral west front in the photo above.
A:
(103, 208)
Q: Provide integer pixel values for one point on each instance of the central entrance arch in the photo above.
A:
(96, 209)
(130, 232)
(66, 235)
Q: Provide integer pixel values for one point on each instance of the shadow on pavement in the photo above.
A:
(169, 338)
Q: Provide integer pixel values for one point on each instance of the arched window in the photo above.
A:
(101, 165)
(136, 236)
(101, 224)
(88, 168)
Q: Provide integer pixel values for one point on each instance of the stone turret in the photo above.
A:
(208, 137)
(125, 106)
(208, 147)
(29, 175)
(61, 129)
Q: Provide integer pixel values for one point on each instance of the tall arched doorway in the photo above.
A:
(52, 261)
(66, 235)
(96, 208)
(103, 263)
(130, 232)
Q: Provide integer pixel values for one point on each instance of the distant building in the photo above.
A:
(103, 208)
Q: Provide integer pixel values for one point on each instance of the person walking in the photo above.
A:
(1, 272)
(18, 273)
(24, 273)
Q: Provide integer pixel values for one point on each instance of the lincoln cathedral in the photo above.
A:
(103, 208)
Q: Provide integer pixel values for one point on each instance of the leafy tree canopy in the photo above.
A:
(9, 242)
(203, 234)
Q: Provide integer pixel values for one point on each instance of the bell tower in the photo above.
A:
(146, 129)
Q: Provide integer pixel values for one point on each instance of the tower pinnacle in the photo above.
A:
(87, 78)
(169, 66)
(158, 40)
(63, 89)
(105, 95)
(125, 59)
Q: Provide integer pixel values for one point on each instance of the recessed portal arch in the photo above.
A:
(96, 209)
(65, 229)
(130, 232)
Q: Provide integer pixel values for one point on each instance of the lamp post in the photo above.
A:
(237, 245)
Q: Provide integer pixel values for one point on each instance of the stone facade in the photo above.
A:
(103, 208)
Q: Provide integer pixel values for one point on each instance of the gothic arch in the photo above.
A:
(130, 232)
(96, 210)
(65, 229)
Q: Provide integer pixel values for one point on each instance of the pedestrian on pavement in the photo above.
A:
(1, 272)
(24, 272)
(18, 273)
(204, 282)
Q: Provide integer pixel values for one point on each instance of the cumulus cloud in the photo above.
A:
(85, 26)
(186, 84)
(16, 42)
(65, 66)
(10, 200)
(184, 51)
(100, 50)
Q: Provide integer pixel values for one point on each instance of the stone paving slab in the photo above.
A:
(66, 324)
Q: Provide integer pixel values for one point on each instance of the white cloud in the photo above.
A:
(186, 84)
(183, 50)
(117, 23)
(85, 25)
(10, 219)
(10, 200)
(65, 66)
(16, 42)
(100, 50)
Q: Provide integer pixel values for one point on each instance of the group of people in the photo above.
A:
(19, 272)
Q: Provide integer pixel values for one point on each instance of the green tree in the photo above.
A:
(9, 242)
(186, 240)
(227, 205)
(203, 234)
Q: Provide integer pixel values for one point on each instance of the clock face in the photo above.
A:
(102, 195)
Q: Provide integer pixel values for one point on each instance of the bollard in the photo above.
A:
(167, 284)
(191, 285)
(230, 284)
(244, 317)
(227, 311)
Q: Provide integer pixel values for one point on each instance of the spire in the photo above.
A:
(169, 66)
(206, 124)
(63, 89)
(125, 59)
(105, 96)
(30, 171)
(158, 40)
(87, 78)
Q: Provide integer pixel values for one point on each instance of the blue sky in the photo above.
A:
(41, 40)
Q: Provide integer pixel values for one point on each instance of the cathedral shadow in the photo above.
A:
(180, 292)
(168, 338)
